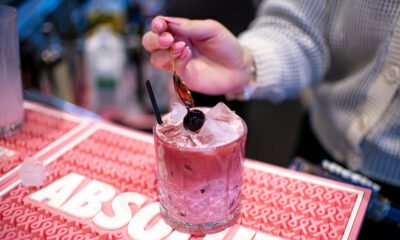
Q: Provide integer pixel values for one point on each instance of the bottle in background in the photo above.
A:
(104, 65)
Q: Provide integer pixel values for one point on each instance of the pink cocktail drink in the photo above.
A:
(200, 173)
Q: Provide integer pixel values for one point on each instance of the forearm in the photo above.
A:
(288, 45)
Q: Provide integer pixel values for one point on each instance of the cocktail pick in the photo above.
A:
(154, 102)
(181, 90)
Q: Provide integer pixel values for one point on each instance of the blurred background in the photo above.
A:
(89, 53)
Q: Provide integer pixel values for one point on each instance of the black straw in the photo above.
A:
(154, 102)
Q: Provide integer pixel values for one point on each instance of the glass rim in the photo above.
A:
(202, 149)
(7, 12)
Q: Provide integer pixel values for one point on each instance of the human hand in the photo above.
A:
(208, 57)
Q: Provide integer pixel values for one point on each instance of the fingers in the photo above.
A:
(161, 40)
(196, 29)
(177, 48)
(158, 38)
(153, 41)
(160, 23)
(165, 30)
(185, 55)
(186, 27)
(181, 54)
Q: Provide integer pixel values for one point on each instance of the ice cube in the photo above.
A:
(177, 114)
(190, 141)
(216, 132)
(32, 172)
(170, 131)
(221, 112)
(228, 133)
(202, 141)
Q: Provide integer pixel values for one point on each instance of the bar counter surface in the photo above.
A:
(101, 184)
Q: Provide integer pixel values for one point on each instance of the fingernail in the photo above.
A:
(158, 25)
(185, 53)
(172, 20)
(166, 39)
(176, 54)
(178, 46)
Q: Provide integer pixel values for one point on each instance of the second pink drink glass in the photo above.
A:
(11, 102)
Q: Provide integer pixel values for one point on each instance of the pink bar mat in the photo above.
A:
(101, 184)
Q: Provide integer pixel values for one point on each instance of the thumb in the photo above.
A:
(194, 29)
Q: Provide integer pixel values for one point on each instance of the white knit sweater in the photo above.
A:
(348, 53)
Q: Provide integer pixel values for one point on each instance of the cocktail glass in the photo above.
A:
(200, 187)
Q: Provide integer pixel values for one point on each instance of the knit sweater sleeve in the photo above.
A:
(288, 41)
